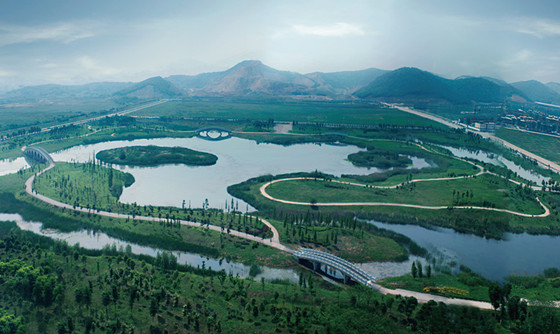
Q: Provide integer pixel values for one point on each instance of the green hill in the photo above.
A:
(538, 91)
(409, 83)
(151, 88)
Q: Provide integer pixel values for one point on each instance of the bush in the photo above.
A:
(551, 272)
(527, 282)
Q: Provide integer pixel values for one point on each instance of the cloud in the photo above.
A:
(94, 69)
(5, 73)
(65, 32)
(537, 27)
(332, 30)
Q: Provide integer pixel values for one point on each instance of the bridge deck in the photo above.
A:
(215, 128)
(337, 263)
(38, 152)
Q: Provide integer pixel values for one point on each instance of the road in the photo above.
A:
(83, 121)
(119, 113)
(542, 161)
(424, 115)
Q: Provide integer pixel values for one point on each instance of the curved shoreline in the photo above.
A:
(273, 242)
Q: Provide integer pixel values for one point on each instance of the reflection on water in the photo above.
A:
(498, 160)
(11, 166)
(238, 160)
(98, 240)
(519, 254)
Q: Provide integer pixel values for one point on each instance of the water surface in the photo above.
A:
(517, 254)
(238, 160)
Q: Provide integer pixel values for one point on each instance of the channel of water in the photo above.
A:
(240, 159)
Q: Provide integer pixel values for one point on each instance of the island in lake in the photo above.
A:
(156, 155)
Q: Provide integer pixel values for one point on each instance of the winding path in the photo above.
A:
(273, 242)
(427, 207)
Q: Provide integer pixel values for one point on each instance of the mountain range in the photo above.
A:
(251, 78)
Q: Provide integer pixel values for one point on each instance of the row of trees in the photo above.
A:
(417, 271)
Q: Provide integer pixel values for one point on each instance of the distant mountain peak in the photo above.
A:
(154, 87)
(250, 62)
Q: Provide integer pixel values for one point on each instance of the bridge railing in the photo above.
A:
(333, 261)
(344, 270)
(343, 262)
(39, 151)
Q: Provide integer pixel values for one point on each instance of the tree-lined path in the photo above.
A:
(272, 242)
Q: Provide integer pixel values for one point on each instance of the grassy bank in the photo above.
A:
(484, 190)
(164, 235)
(483, 223)
(537, 289)
(87, 185)
(156, 155)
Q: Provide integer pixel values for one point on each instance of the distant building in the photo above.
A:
(485, 126)
(485, 107)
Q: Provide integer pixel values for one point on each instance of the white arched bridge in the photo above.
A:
(348, 269)
(38, 154)
(213, 133)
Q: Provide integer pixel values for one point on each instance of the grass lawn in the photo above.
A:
(484, 190)
(84, 185)
(439, 284)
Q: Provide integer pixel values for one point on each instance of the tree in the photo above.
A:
(153, 307)
(413, 270)
(419, 265)
(106, 300)
(429, 271)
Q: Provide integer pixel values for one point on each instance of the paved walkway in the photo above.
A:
(425, 297)
(273, 242)
(416, 206)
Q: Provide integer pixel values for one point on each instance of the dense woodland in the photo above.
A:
(50, 287)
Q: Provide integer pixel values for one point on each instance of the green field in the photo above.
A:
(480, 222)
(85, 185)
(156, 155)
(545, 146)
(485, 190)
(335, 112)
(15, 116)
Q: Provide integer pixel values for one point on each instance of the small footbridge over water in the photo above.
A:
(213, 133)
(38, 154)
(350, 271)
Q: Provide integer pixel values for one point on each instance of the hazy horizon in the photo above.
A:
(66, 42)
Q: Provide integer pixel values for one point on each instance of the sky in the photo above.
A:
(76, 42)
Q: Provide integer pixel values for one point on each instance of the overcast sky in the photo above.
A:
(70, 41)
